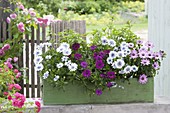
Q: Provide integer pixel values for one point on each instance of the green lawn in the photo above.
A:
(135, 27)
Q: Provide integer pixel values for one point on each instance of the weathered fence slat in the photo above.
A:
(38, 77)
(4, 36)
(0, 32)
(32, 64)
(27, 64)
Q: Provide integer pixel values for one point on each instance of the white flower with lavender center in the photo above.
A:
(39, 67)
(65, 45)
(124, 44)
(64, 59)
(119, 63)
(143, 48)
(111, 43)
(38, 52)
(113, 54)
(73, 67)
(38, 60)
(121, 72)
(67, 52)
(113, 65)
(67, 63)
(59, 65)
(120, 54)
(48, 57)
(56, 78)
(130, 45)
(60, 49)
(127, 69)
(128, 51)
(134, 68)
(104, 40)
(109, 60)
(48, 44)
(40, 46)
(45, 75)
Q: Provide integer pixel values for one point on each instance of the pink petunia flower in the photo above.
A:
(13, 16)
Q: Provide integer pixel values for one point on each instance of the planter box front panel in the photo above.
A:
(77, 94)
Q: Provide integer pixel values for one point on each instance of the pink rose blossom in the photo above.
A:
(16, 71)
(6, 47)
(13, 16)
(17, 86)
(19, 100)
(15, 59)
(5, 93)
(2, 52)
(10, 86)
(21, 27)
(8, 20)
(18, 75)
(21, 6)
(9, 97)
(32, 13)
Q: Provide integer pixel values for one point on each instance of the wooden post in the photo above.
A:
(159, 29)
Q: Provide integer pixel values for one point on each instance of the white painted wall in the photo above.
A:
(159, 33)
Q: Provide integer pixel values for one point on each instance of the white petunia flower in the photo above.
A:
(104, 40)
(73, 67)
(67, 63)
(121, 72)
(113, 54)
(65, 45)
(111, 42)
(128, 51)
(45, 75)
(64, 59)
(109, 60)
(38, 59)
(60, 49)
(119, 63)
(38, 52)
(127, 69)
(124, 44)
(67, 52)
(48, 57)
(59, 65)
(113, 65)
(120, 54)
(134, 68)
(56, 78)
(39, 67)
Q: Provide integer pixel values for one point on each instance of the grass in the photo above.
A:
(135, 27)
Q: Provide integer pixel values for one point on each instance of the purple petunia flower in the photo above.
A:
(111, 75)
(155, 65)
(93, 47)
(86, 73)
(95, 55)
(145, 62)
(75, 46)
(134, 54)
(99, 64)
(143, 79)
(102, 75)
(77, 56)
(106, 51)
(102, 54)
(109, 84)
(84, 64)
(98, 57)
(98, 92)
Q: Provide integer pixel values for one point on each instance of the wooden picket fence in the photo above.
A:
(32, 87)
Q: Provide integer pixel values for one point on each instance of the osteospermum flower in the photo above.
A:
(65, 45)
(134, 68)
(86, 73)
(140, 42)
(142, 54)
(56, 78)
(111, 75)
(119, 63)
(111, 43)
(98, 92)
(37, 52)
(45, 75)
(149, 44)
(150, 54)
(120, 54)
(130, 45)
(155, 65)
(38, 59)
(145, 61)
(59, 65)
(133, 54)
(67, 52)
(127, 69)
(104, 40)
(39, 67)
(64, 59)
(60, 49)
(48, 57)
(113, 54)
(84, 64)
(99, 64)
(143, 79)
(109, 60)
(73, 67)
(124, 44)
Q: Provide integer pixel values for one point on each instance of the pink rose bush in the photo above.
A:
(112, 55)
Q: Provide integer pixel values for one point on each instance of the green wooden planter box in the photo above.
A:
(77, 94)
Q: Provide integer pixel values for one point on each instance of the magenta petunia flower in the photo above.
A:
(86, 73)
(98, 92)
(75, 46)
(109, 84)
(111, 75)
(102, 54)
(98, 57)
(145, 61)
(106, 51)
(134, 54)
(143, 79)
(84, 64)
(77, 56)
(102, 75)
(155, 65)
(93, 47)
(99, 64)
